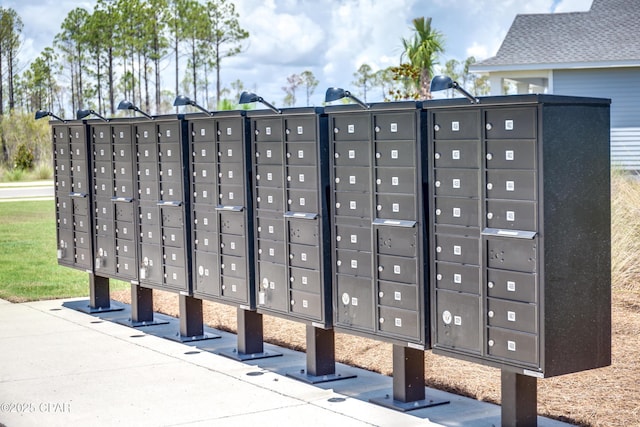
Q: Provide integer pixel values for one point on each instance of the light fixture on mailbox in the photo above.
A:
(185, 100)
(128, 105)
(439, 83)
(248, 97)
(335, 93)
(81, 114)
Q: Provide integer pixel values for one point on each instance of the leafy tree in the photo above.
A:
(70, 42)
(10, 29)
(383, 79)
(225, 36)
(310, 83)
(293, 82)
(422, 50)
(364, 79)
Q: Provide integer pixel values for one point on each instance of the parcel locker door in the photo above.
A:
(151, 269)
(207, 276)
(105, 253)
(273, 288)
(354, 302)
(457, 317)
(66, 253)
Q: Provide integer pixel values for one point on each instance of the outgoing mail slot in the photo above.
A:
(304, 256)
(457, 277)
(303, 232)
(352, 153)
(397, 269)
(169, 152)
(230, 129)
(395, 126)
(512, 215)
(300, 128)
(204, 218)
(172, 216)
(305, 279)
(354, 302)
(150, 233)
(355, 178)
(269, 176)
(395, 153)
(270, 198)
(231, 173)
(511, 285)
(203, 130)
(399, 322)
(272, 251)
(230, 244)
(513, 185)
(456, 211)
(302, 201)
(271, 228)
(512, 254)
(232, 223)
(512, 315)
(301, 153)
(168, 132)
(456, 124)
(204, 172)
(353, 204)
(149, 214)
(457, 321)
(173, 237)
(396, 180)
(234, 288)
(206, 241)
(463, 250)
(233, 266)
(456, 182)
(355, 238)
(352, 127)
(396, 206)
(506, 344)
(206, 276)
(229, 152)
(355, 263)
(397, 295)
(509, 123)
(231, 195)
(397, 241)
(273, 290)
(511, 154)
(267, 130)
(268, 153)
(457, 154)
(306, 304)
(302, 177)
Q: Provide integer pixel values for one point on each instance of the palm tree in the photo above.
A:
(422, 51)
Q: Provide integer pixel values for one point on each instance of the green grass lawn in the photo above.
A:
(29, 267)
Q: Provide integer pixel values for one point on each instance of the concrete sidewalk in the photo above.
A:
(61, 367)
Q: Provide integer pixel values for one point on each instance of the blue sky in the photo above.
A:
(332, 38)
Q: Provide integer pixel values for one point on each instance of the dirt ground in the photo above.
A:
(602, 397)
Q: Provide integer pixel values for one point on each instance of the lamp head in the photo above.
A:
(185, 100)
(249, 97)
(128, 105)
(335, 93)
(41, 113)
(81, 114)
(445, 82)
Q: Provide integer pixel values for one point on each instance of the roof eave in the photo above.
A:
(485, 69)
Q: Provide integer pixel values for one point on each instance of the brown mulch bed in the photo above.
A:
(602, 397)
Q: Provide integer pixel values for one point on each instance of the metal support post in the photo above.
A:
(519, 400)
(191, 321)
(250, 338)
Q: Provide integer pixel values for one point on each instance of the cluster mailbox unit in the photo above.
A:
(478, 229)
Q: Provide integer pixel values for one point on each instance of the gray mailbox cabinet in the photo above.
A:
(222, 228)
(290, 181)
(114, 199)
(520, 218)
(378, 231)
(72, 194)
(163, 209)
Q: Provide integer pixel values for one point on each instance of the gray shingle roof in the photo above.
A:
(608, 32)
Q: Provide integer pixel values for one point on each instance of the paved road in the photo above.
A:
(17, 191)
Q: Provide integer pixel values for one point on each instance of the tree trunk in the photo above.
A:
(111, 91)
(425, 82)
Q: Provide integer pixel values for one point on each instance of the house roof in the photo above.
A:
(606, 34)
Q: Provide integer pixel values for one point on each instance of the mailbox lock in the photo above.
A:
(336, 155)
(491, 343)
(489, 126)
(338, 205)
(378, 155)
(338, 238)
(438, 249)
(380, 268)
(489, 186)
(221, 245)
(437, 156)
(437, 183)
(339, 263)
(288, 155)
(491, 313)
(337, 180)
(265, 283)
(378, 181)
(291, 256)
(336, 130)
(287, 131)
(439, 276)
(381, 320)
(379, 207)
(289, 178)
(293, 302)
(436, 128)
(377, 129)
(438, 211)
(489, 215)
(257, 132)
(381, 294)
(490, 285)
(489, 156)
